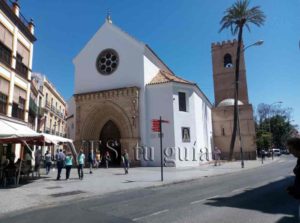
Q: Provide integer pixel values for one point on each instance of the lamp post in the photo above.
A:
(257, 43)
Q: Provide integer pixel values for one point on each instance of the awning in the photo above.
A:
(11, 132)
(53, 139)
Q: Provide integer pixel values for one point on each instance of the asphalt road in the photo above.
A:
(255, 195)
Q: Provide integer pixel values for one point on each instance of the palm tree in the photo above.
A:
(238, 16)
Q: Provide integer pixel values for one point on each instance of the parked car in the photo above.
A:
(285, 151)
(276, 152)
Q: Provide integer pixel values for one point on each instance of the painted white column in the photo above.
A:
(36, 117)
(12, 74)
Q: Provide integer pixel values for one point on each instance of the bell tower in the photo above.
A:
(223, 63)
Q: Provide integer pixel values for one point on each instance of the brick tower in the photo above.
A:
(223, 61)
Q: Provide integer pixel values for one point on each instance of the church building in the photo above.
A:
(121, 86)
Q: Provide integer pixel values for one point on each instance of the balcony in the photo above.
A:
(5, 55)
(41, 112)
(22, 70)
(33, 109)
(47, 104)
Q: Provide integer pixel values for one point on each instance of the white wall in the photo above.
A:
(159, 103)
(130, 69)
(197, 121)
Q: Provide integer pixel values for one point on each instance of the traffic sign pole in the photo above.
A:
(161, 151)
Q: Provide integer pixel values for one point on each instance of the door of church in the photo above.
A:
(110, 142)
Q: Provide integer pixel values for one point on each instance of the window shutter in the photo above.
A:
(24, 53)
(18, 92)
(6, 37)
(4, 86)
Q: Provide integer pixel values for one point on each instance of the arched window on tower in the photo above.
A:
(228, 61)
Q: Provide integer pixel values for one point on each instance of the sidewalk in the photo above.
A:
(46, 191)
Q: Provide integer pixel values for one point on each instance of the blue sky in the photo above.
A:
(181, 33)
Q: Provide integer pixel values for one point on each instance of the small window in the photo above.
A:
(228, 61)
(185, 133)
(223, 132)
(182, 101)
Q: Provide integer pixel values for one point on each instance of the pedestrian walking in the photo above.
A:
(68, 164)
(48, 161)
(80, 159)
(294, 147)
(60, 163)
(98, 159)
(217, 155)
(91, 159)
(107, 158)
(125, 160)
(37, 160)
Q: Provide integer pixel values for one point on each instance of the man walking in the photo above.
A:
(48, 161)
(217, 156)
(91, 159)
(80, 159)
(60, 163)
(125, 159)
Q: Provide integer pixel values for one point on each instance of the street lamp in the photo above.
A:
(257, 43)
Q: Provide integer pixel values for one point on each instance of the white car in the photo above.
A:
(276, 152)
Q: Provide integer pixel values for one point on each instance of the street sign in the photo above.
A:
(155, 125)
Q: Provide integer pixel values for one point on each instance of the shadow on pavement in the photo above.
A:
(271, 199)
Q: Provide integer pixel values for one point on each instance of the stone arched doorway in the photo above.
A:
(111, 114)
(110, 142)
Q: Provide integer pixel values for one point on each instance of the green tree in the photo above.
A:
(236, 17)
(273, 126)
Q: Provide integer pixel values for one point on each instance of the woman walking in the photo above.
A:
(68, 164)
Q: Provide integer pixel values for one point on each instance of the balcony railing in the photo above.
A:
(33, 109)
(41, 112)
(47, 130)
(47, 104)
(5, 55)
(22, 70)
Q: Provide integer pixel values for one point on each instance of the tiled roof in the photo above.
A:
(165, 77)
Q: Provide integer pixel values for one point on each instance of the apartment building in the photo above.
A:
(51, 107)
(16, 53)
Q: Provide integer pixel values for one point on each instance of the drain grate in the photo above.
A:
(75, 192)
(55, 187)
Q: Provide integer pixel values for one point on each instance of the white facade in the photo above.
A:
(138, 66)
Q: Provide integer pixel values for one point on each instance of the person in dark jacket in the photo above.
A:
(125, 160)
(294, 147)
(91, 159)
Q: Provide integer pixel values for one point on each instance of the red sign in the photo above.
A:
(155, 125)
